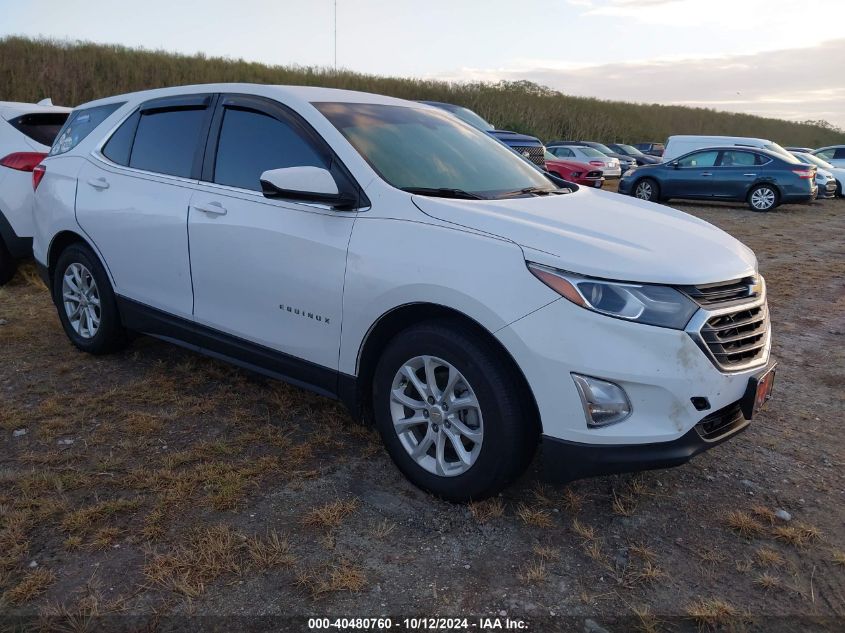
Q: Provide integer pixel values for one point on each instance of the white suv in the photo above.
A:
(384, 253)
(26, 132)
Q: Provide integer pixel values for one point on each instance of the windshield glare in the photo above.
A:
(774, 147)
(591, 152)
(629, 149)
(814, 160)
(425, 148)
(604, 149)
(468, 116)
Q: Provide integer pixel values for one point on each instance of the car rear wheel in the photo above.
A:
(763, 198)
(86, 303)
(7, 264)
(450, 413)
(647, 189)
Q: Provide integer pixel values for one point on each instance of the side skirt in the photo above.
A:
(263, 360)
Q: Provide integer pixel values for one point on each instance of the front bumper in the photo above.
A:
(564, 461)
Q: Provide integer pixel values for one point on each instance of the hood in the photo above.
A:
(647, 160)
(509, 138)
(606, 235)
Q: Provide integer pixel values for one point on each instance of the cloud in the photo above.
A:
(795, 84)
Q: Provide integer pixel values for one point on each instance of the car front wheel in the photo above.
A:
(450, 411)
(647, 189)
(763, 198)
(86, 303)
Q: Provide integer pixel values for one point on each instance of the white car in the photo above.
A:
(26, 132)
(348, 243)
(610, 167)
(835, 155)
(828, 178)
(681, 144)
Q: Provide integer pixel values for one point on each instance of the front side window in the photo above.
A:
(414, 148)
(166, 141)
(251, 143)
(699, 159)
(80, 124)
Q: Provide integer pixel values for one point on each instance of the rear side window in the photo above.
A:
(251, 143)
(119, 146)
(563, 152)
(738, 159)
(42, 127)
(166, 141)
(840, 153)
(79, 125)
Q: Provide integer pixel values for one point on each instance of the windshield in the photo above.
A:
(547, 155)
(468, 116)
(774, 147)
(604, 149)
(415, 148)
(809, 159)
(630, 150)
(592, 153)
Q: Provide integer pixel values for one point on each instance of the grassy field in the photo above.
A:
(73, 73)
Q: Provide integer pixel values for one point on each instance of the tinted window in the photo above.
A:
(731, 159)
(251, 143)
(562, 151)
(840, 153)
(119, 146)
(79, 125)
(166, 141)
(699, 159)
(826, 154)
(42, 127)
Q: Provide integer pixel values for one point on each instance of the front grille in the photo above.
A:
(737, 339)
(724, 293)
(721, 422)
(535, 154)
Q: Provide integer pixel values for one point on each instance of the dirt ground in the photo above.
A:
(157, 484)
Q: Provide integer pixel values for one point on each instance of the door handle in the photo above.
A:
(99, 183)
(706, 173)
(212, 208)
(752, 175)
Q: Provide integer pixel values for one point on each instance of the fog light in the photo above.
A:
(604, 402)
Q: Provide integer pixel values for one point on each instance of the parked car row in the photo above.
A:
(385, 253)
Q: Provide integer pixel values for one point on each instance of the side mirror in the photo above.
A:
(305, 184)
(674, 164)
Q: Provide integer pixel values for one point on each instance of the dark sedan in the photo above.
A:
(759, 177)
(633, 152)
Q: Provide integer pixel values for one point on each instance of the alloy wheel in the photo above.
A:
(437, 416)
(81, 299)
(644, 190)
(763, 198)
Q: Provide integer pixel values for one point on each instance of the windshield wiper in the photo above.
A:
(443, 192)
(539, 191)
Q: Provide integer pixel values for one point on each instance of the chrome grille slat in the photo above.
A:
(733, 325)
(536, 155)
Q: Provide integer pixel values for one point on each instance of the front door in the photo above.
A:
(266, 271)
(693, 177)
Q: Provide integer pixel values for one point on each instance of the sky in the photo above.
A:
(781, 58)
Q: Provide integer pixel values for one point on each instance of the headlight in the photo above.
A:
(643, 303)
(628, 173)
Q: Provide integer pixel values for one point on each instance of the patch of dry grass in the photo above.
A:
(537, 517)
(586, 532)
(383, 529)
(768, 582)
(484, 511)
(838, 557)
(84, 519)
(768, 557)
(33, 584)
(624, 505)
(743, 524)
(546, 552)
(799, 535)
(713, 612)
(763, 513)
(270, 551)
(331, 515)
(646, 621)
(340, 576)
(533, 573)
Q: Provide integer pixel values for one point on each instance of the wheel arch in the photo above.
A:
(391, 323)
(769, 183)
(59, 243)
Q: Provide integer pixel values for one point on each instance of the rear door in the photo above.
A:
(133, 197)
(268, 271)
(693, 177)
(735, 172)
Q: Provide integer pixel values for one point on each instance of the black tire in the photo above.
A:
(775, 196)
(8, 265)
(110, 335)
(646, 187)
(839, 189)
(510, 432)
